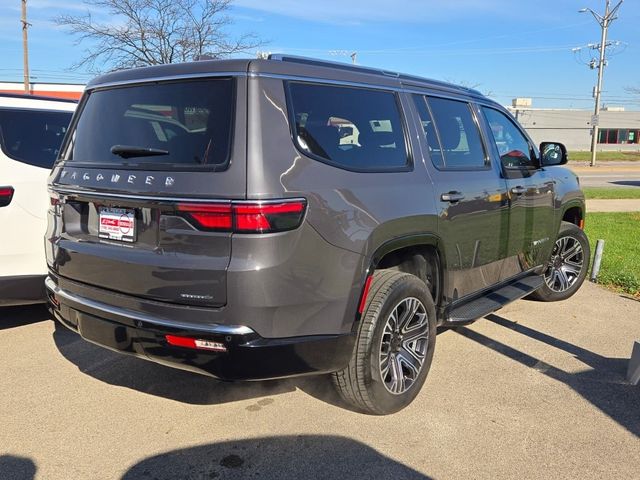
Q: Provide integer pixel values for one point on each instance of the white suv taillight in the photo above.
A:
(6, 195)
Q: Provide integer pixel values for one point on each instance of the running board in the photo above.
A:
(494, 300)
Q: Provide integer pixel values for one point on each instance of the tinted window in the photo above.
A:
(190, 121)
(354, 128)
(435, 150)
(33, 136)
(513, 146)
(458, 133)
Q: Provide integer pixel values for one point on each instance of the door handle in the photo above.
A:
(518, 190)
(452, 197)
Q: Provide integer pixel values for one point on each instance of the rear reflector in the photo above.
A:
(246, 217)
(195, 343)
(365, 293)
(6, 195)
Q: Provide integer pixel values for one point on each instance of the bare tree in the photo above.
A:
(152, 32)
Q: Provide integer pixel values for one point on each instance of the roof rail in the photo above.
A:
(327, 63)
(375, 71)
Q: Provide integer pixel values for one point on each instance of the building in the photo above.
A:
(58, 90)
(619, 130)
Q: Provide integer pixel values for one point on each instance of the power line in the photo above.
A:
(605, 21)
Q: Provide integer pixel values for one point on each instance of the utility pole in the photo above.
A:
(604, 21)
(25, 48)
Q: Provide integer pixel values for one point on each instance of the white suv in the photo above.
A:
(31, 131)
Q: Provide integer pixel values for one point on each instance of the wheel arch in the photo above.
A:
(573, 213)
(421, 255)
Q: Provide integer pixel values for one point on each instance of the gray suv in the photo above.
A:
(256, 219)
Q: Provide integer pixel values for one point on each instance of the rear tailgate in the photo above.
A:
(116, 219)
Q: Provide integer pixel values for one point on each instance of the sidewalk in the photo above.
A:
(626, 205)
(602, 167)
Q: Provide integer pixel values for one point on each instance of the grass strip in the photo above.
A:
(620, 267)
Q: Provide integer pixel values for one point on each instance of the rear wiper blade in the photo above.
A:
(128, 151)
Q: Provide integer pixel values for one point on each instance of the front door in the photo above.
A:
(530, 191)
(473, 209)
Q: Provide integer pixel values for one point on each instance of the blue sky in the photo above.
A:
(506, 48)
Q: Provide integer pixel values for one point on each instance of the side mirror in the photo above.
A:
(553, 153)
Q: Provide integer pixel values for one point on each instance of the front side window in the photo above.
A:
(352, 128)
(33, 137)
(459, 135)
(186, 123)
(513, 147)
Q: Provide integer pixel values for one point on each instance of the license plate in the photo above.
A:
(117, 224)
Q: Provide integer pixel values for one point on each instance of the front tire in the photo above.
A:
(567, 267)
(394, 347)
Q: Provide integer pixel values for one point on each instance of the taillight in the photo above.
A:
(246, 217)
(209, 216)
(6, 195)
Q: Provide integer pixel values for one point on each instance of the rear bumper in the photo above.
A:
(248, 356)
(22, 290)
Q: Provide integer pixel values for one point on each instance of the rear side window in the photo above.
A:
(186, 124)
(459, 137)
(33, 137)
(429, 129)
(353, 128)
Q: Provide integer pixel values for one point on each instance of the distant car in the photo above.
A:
(31, 131)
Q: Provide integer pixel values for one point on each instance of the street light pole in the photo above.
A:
(604, 21)
(25, 48)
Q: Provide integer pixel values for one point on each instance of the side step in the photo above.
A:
(493, 300)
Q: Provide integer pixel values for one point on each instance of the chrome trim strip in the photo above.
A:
(215, 329)
(168, 78)
(328, 81)
(125, 196)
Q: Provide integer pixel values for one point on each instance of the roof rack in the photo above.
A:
(327, 63)
(370, 70)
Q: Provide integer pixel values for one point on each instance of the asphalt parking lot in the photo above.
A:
(534, 391)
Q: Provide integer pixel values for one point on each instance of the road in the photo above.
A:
(535, 391)
(609, 174)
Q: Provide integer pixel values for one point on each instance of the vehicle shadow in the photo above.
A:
(604, 386)
(11, 317)
(179, 385)
(282, 457)
(627, 183)
(17, 468)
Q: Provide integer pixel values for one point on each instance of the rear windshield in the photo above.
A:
(33, 136)
(183, 123)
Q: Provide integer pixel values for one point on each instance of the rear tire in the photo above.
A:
(567, 267)
(394, 347)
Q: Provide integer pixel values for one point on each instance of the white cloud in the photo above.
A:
(360, 11)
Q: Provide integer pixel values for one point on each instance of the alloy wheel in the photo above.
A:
(566, 264)
(403, 346)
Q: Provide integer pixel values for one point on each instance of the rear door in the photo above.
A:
(531, 194)
(470, 195)
(128, 196)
